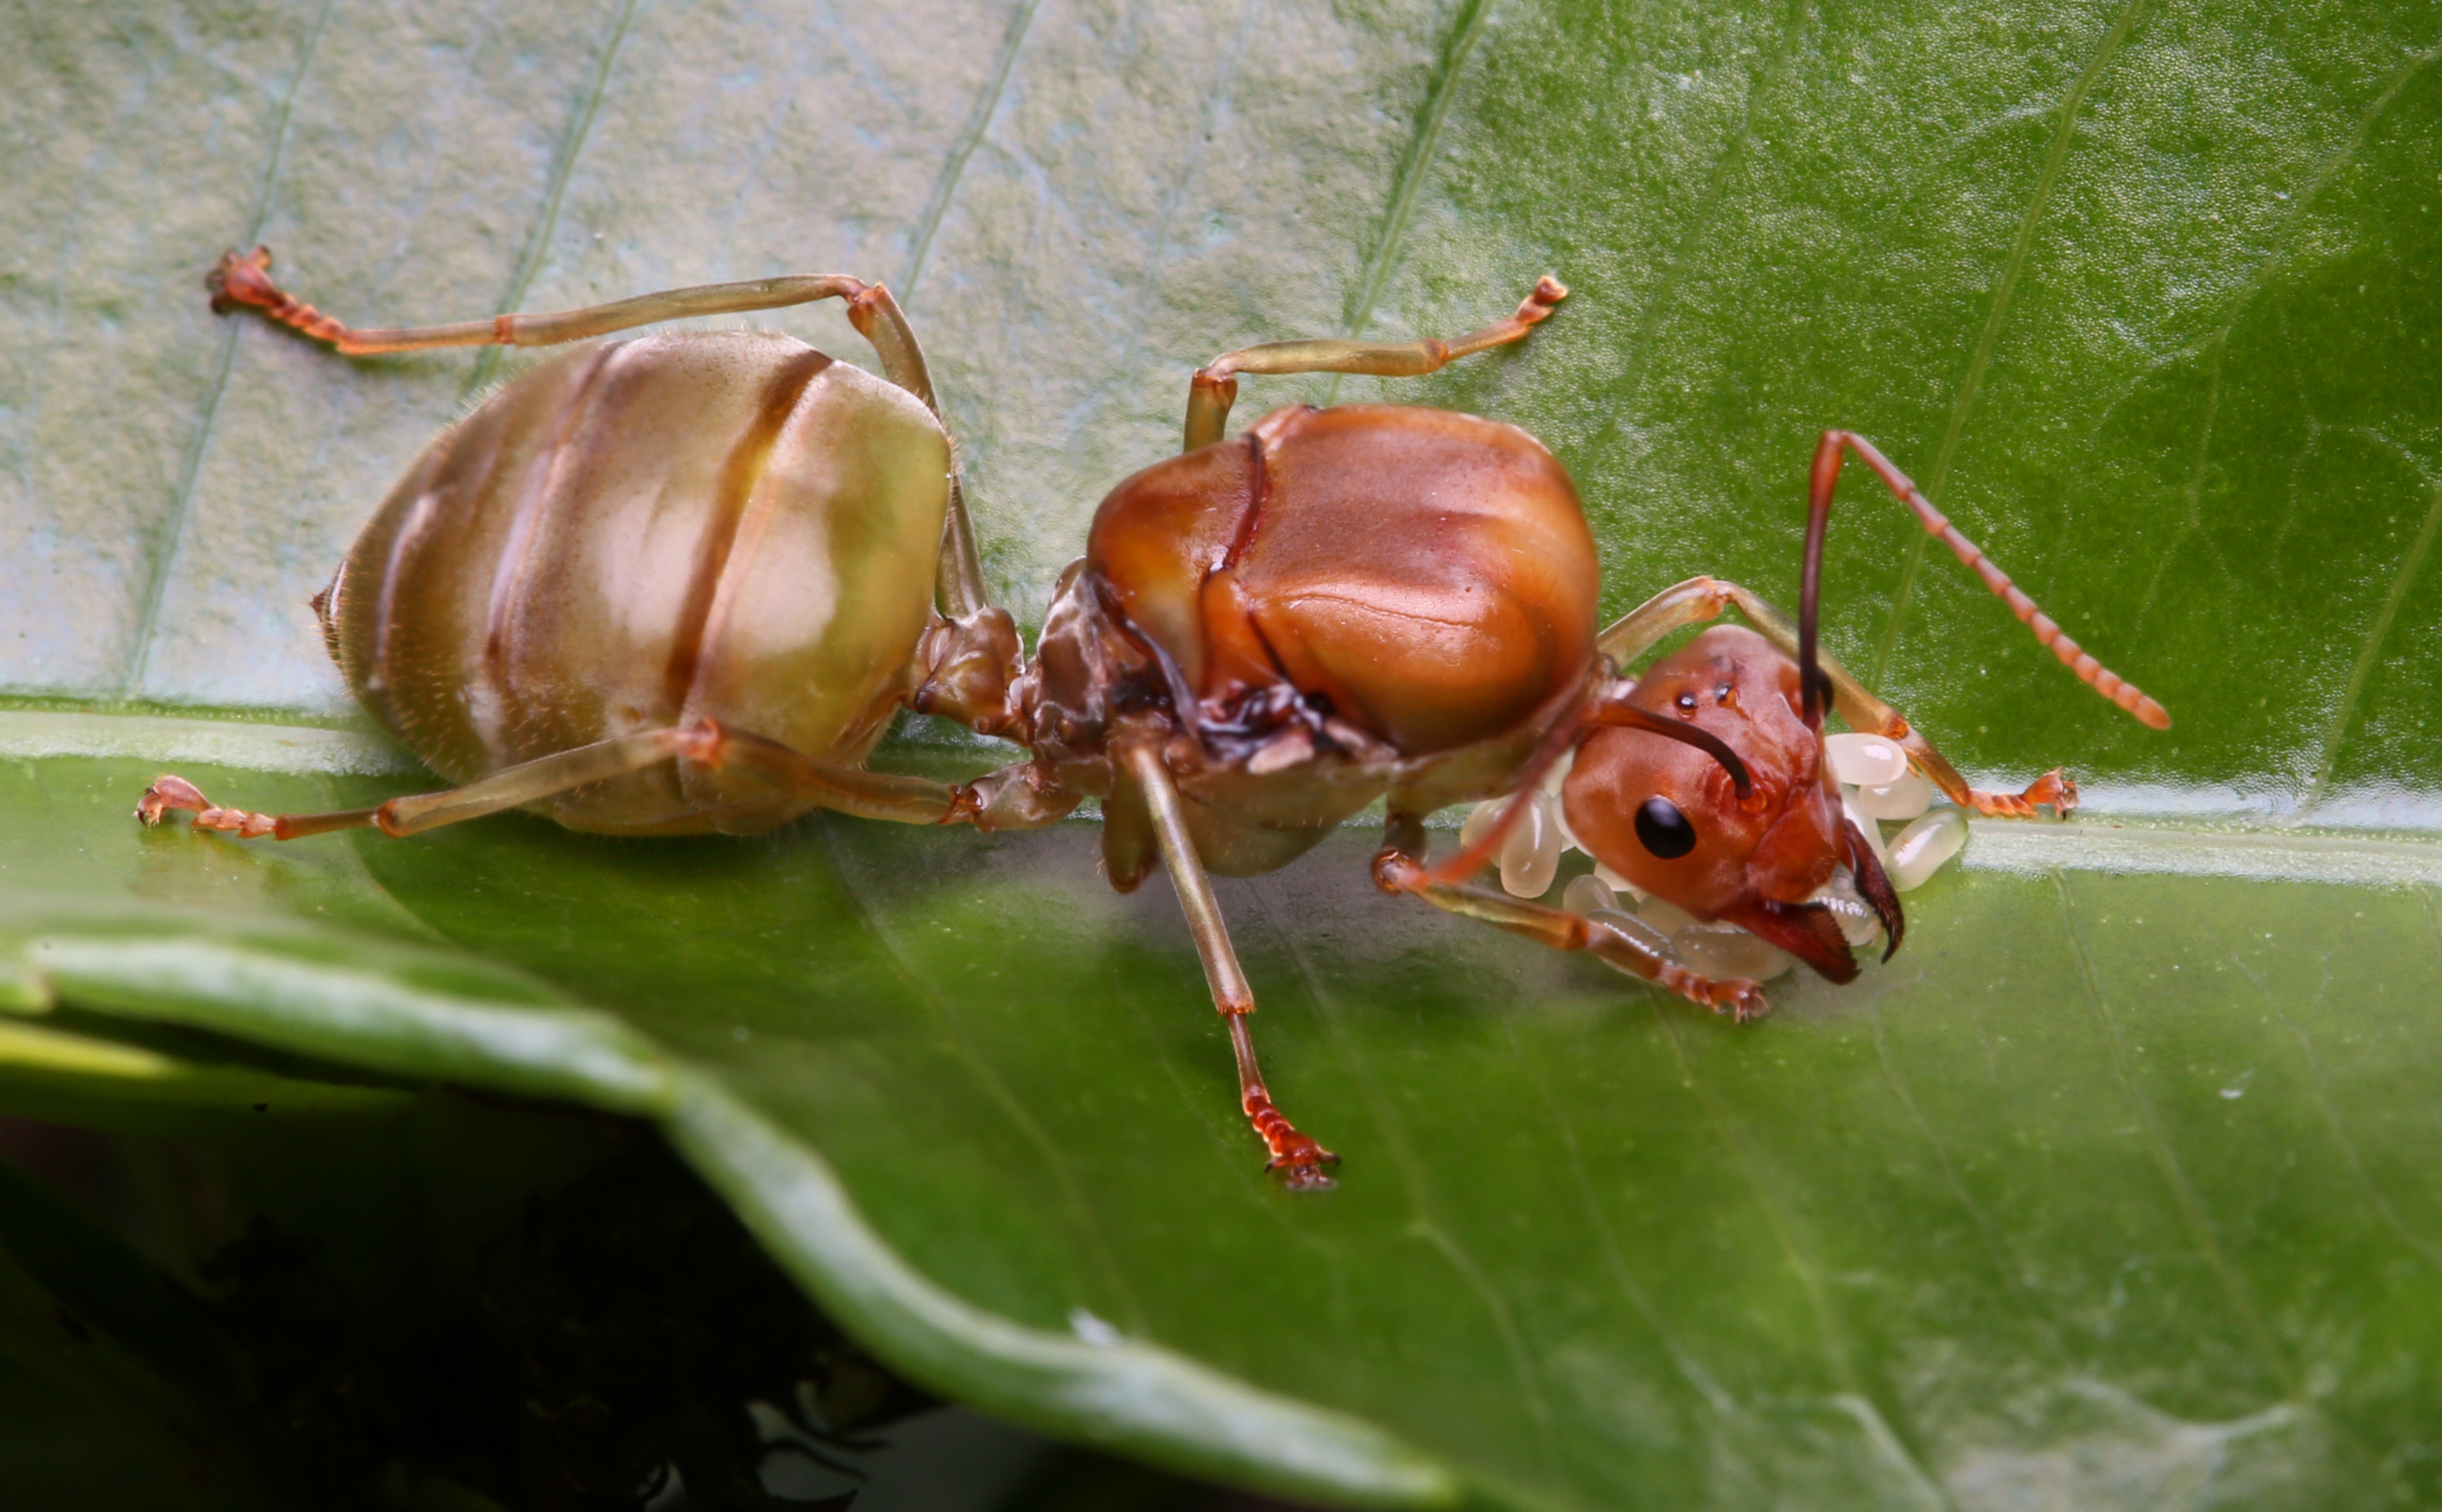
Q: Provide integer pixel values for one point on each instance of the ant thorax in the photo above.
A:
(1266, 769)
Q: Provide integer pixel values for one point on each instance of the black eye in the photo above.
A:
(1664, 830)
(1686, 701)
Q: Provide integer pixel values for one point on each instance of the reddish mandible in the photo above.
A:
(681, 583)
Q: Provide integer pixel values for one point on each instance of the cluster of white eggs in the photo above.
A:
(1876, 787)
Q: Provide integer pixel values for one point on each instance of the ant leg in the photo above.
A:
(1641, 629)
(1400, 867)
(244, 278)
(1214, 387)
(1699, 599)
(1297, 1159)
(708, 743)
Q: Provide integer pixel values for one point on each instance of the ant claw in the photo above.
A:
(241, 277)
(1302, 1170)
(1742, 1000)
(2055, 790)
(166, 794)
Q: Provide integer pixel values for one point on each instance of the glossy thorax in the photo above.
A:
(642, 534)
(1327, 606)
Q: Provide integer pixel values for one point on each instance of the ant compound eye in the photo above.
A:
(1687, 703)
(1664, 830)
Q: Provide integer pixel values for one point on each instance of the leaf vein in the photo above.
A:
(1413, 165)
(580, 126)
(1981, 362)
(182, 508)
(1829, 1324)
(1988, 1232)
(1716, 190)
(1080, 1213)
(1639, 1299)
(987, 105)
(2184, 1198)
(1421, 1219)
(2371, 650)
(1209, 123)
(2320, 1084)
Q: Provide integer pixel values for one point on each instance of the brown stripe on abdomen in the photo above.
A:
(514, 574)
(738, 477)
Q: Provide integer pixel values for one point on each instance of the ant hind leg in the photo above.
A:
(242, 280)
(707, 743)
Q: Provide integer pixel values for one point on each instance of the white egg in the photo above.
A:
(1922, 847)
(1530, 856)
(1724, 950)
(1865, 760)
(1905, 799)
(1588, 895)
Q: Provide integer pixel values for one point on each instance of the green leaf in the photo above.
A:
(2113, 1188)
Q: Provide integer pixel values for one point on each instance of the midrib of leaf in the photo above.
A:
(2126, 841)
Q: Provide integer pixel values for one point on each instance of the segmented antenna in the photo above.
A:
(1827, 472)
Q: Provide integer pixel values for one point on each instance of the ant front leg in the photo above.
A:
(1297, 1159)
(1400, 867)
(1214, 387)
(705, 743)
(1700, 599)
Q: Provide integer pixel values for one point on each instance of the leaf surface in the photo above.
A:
(2111, 1188)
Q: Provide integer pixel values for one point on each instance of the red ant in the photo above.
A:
(682, 583)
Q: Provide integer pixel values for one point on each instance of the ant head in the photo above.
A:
(1668, 817)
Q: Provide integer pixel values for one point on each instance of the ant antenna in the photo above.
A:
(1818, 513)
(1811, 681)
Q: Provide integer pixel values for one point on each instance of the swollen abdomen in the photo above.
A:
(642, 533)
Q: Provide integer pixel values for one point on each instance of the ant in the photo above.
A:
(683, 582)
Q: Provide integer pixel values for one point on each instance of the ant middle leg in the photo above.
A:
(1700, 599)
(1214, 387)
(1299, 1159)
(1400, 867)
(705, 743)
